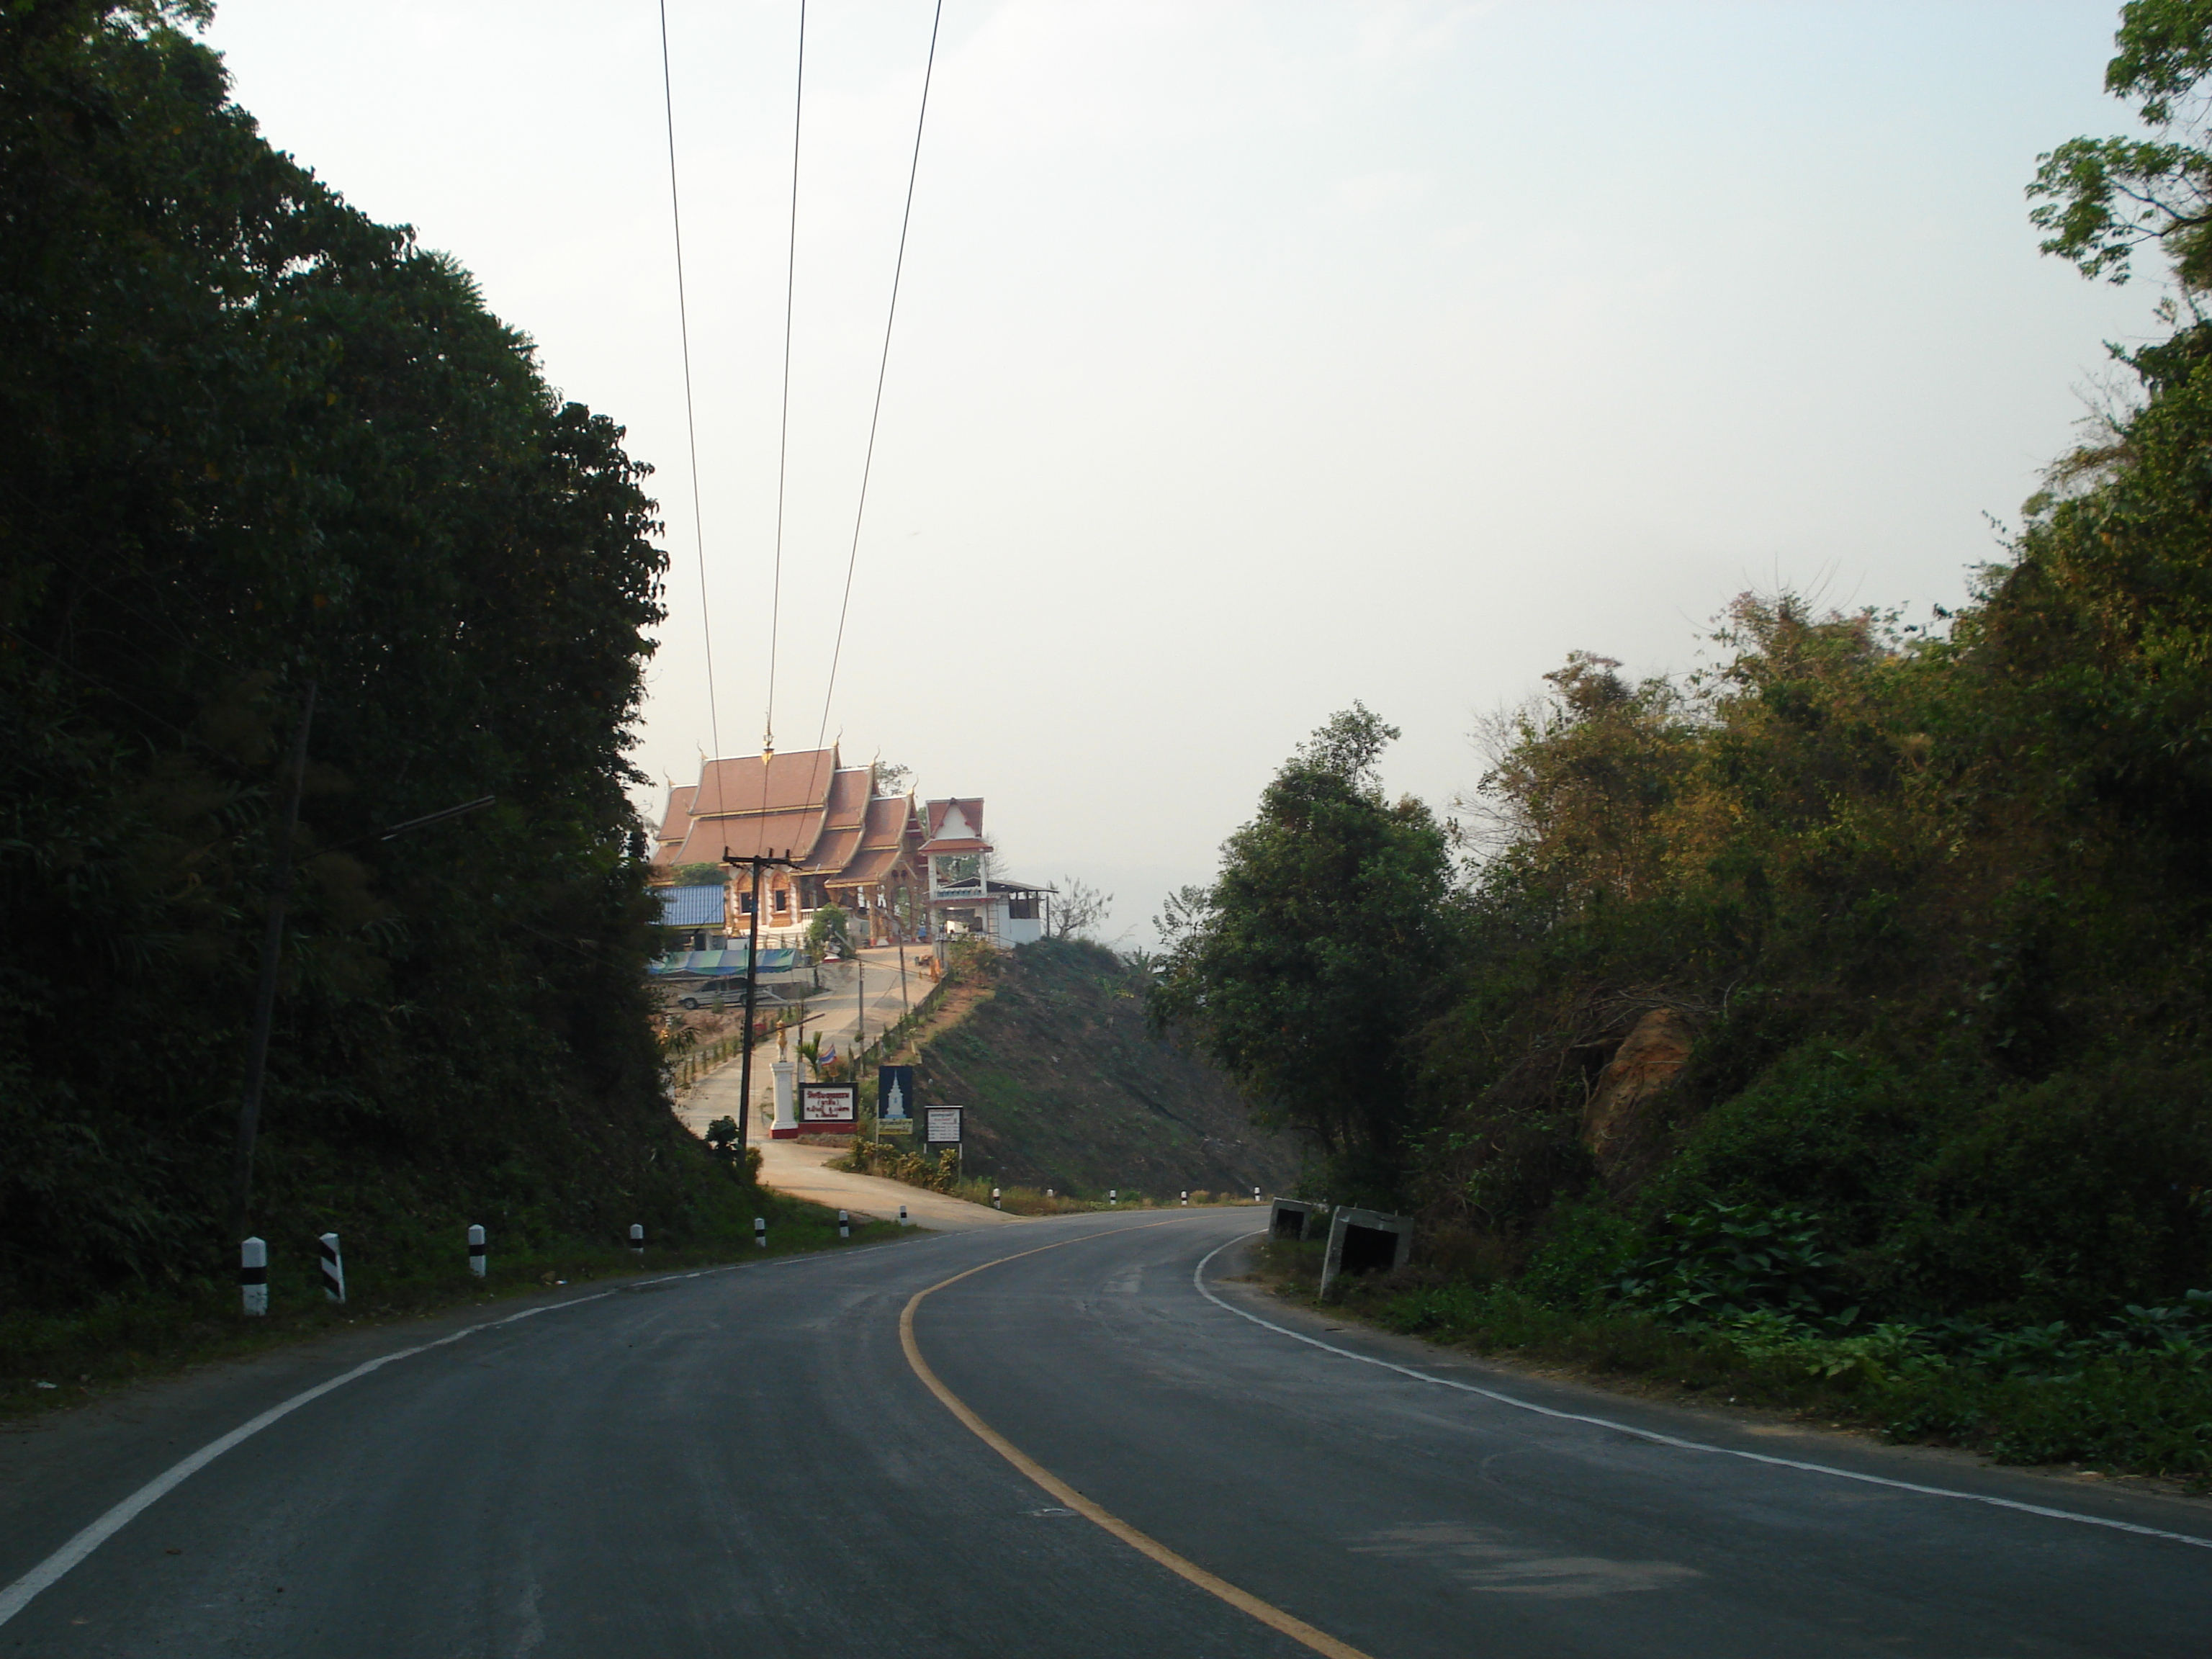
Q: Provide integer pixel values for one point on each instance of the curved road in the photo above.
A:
(749, 1463)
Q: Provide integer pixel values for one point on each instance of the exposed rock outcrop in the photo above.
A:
(1617, 1120)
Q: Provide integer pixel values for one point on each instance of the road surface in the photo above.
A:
(1105, 1458)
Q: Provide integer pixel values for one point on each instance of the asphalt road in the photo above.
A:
(745, 1462)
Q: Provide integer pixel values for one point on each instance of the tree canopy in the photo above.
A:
(1302, 969)
(2105, 198)
(829, 931)
(258, 441)
(1914, 918)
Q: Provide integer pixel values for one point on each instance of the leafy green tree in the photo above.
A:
(1580, 780)
(1915, 927)
(2103, 199)
(1317, 951)
(829, 928)
(257, 442)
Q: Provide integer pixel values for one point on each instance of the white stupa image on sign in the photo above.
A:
(895, 1103)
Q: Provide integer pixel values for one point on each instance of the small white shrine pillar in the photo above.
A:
(787, 1099)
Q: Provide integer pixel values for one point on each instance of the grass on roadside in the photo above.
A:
(50, 1360)
(2145, 1414)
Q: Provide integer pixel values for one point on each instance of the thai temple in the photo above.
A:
(901, 871)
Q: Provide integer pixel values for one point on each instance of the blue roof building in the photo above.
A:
(698, 910)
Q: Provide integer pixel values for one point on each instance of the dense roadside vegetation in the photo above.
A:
(1840, 1011)
(257, 442)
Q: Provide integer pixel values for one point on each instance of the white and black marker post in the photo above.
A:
(253, 1276)
(1186, 1198)
(901, 1215)
(637, 1237)
(477, 1251)
(994, 1200)
(844, 1225)
(1113, 1195)
(333, 1268)
(1256, 1194)
(759, 1230)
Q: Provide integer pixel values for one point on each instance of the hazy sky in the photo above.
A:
(1252, 358)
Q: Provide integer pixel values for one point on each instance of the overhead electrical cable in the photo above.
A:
(690, 420)
(783, 436)
(883, 367)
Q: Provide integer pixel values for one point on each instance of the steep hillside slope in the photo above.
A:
(1066, 1086)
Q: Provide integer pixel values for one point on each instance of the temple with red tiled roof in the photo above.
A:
(850, 846)
(966, 894)
(899, 870)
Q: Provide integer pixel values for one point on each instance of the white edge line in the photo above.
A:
(1198, 1282)
(16, 1596)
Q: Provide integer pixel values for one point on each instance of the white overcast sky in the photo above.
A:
(1251, 358)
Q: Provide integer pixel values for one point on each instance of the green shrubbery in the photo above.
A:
(2133, 1393)
(936, 1172)
(1719, 1262)
(1840, 1011)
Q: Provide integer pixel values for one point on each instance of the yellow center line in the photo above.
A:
(1243, 1601)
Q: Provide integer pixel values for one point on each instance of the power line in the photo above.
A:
(883, 368)
(783, 437)
(690, 420)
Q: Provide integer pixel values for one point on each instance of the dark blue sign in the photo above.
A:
(894, 1108)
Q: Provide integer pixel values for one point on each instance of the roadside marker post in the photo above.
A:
(253, 1276)
(333, 1268)
(1256, 1194)
(1112, 1197)
(637, 1237)
(1186, 1199)
(477, 1251)
(759, 1230)
(901, 1215)
(844, 1225)
(994, 1200)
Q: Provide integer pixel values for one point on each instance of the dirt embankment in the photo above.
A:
(1066, 1087)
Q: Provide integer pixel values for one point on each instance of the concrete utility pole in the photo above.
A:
(898, 934)
(756, 864)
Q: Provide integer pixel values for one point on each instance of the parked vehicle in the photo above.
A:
(706, 993)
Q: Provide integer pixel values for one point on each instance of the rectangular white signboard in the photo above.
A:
(829, 1106)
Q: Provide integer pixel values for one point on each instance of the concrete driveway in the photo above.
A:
(788, 1167)
(798, 1170)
